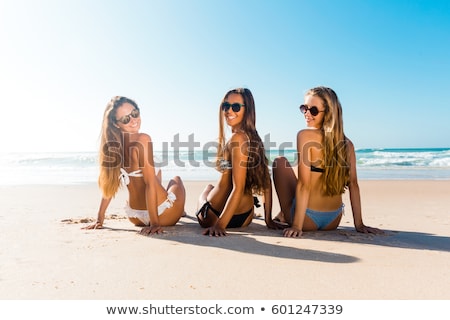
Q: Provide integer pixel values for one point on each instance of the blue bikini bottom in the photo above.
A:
(320, 218)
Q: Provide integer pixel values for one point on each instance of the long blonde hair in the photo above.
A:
(111, 148)
(335, 157)
(257, 178)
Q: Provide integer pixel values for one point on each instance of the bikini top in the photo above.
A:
(124, 176)
(317, 169)
(226, 164)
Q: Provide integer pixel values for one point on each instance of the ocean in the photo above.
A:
(22, 168)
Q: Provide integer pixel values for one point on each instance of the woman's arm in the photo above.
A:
(104, 203)
(353, 187)
(303, 188)
(239, 156)
(355, 196)
(150, 180)
(267, 202)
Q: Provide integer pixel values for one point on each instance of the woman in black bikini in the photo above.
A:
(245, 173)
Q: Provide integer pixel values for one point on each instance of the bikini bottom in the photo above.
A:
(320, 218)
(143, 216)
(236, 221)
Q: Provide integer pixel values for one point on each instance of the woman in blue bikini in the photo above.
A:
(312, 199)
(244, 170)
(126, 159)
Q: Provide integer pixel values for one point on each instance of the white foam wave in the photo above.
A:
(82, 167)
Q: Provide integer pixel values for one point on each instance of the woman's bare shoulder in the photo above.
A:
(309, 134)
(144, 137)
(238, 138)
(350, 145)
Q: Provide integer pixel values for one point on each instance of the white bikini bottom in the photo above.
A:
(143, 216)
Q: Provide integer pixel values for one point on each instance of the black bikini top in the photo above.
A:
(317, 169)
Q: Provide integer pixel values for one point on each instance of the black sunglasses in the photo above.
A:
(236, 107)
(313, 110)
(126, 119)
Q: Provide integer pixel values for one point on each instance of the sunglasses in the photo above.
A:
(126, 119)
(313, 110)
(236, 107)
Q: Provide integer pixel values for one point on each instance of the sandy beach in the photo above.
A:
(46, 255)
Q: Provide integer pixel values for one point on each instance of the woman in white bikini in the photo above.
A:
(245, 173)
(126, 158)
(326, 167)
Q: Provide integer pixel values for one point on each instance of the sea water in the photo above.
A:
(83, 167)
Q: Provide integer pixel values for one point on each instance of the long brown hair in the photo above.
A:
(257, 178)
(335, 157)
(111, 147)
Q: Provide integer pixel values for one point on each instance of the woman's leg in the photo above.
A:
(172, 215)
(202, 205)
(159, 176)
(285, 182)
(204, 196)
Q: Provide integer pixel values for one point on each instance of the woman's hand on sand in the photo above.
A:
(292, 232)
(96, 225)
(215, 232)
(367, 229)
(150, 230)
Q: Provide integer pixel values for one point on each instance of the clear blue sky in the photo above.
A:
(61, 62)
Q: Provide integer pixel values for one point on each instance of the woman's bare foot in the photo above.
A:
(280, 217)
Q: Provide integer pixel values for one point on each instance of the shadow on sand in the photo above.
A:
(187, 231)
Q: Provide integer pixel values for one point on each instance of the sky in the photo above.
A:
(62, 61)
